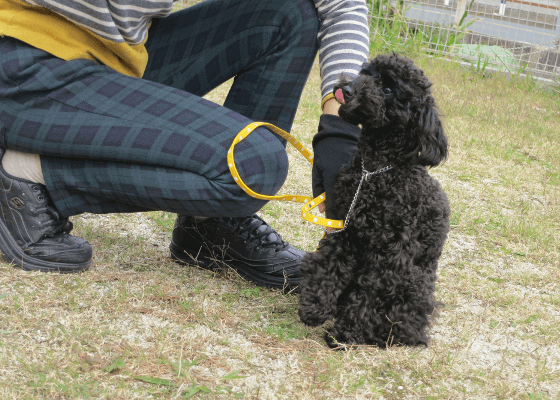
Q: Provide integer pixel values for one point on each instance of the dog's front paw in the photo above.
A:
(313, 315)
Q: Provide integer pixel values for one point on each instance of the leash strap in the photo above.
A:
(309, 202)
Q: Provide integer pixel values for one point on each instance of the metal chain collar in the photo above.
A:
(365, 175)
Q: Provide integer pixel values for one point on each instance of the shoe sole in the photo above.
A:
(205, 261)
(12, 253)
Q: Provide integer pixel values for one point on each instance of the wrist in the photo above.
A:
(331, 106)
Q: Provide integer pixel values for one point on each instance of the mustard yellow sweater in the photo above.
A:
(51, 32)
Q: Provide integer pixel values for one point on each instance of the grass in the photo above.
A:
(138, 325)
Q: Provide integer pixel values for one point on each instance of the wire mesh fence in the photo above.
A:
(519, 36)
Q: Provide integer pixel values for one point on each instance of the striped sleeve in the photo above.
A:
(343, 39)
(115, 20)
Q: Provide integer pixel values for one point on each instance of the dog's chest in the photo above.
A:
(394, 195)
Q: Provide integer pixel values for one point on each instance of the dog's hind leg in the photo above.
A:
(325, 274)
(397, 312)
(359, 322)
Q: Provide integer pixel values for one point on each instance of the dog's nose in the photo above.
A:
(347, 91)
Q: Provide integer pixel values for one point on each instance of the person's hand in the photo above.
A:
(333, 146)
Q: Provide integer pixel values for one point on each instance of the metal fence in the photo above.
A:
(520, 36)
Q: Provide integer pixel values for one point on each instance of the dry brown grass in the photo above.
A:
(139, 326)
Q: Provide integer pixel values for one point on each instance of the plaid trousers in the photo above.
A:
(113, 143)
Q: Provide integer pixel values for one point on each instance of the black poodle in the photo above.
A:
(377, 276)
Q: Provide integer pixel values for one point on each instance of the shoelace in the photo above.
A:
(252, 229)
(59, 225)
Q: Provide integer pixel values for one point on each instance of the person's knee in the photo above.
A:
(294, 17)
(307, 10)
(262, 163)
(303, 18)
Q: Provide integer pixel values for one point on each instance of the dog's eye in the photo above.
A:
(387, 90)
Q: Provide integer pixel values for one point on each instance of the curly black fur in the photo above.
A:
(377, 277)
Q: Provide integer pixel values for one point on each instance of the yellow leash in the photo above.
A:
(309, 202)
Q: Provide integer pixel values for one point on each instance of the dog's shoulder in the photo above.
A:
(412, 180)
(406, 189)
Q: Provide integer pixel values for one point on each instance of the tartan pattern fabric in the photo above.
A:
(113, 143)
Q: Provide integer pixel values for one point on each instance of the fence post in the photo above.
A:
(558, 30)
(502, 10)
(461, 7)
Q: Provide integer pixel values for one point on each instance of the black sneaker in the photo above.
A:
(33, 235)
(248, 245)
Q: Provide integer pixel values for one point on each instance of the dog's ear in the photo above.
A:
(431, 140)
